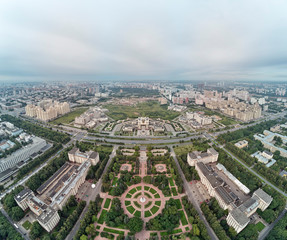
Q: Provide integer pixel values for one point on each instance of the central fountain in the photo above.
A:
(142, 199)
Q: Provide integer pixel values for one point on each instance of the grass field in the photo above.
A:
(127, 203)
(26, 225)
(137, 204)
(183, 218)
(147, 205)
(147, 214)
(178, 204)
(260, 226)
(151, 109)
(114, 231)
(131, 209)
(128, 195)
(107, 203)
(139, 188)
(154, 209)
(146, 188)
(152, 191)
(157, 203)
(175, 231)
(69, 117)
(102, 217)
(137, 214)
(171, 182)
(138, 194)
(115, 180)
(174, 193)
(157, 196)
(132, 191)
(148, 195)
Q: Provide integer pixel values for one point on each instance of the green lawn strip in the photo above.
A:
(186, 228)
(147, 214)
(175, 231)
(114, 231)
(147, 194)
(107, 203)
(137, 214)
(157, 196)
(98, 227)
(128, 195)
(174, 193)
(147, 205)
(260, 226)
(137, 204)
(152, 191)
(178, 204)
(131, 209)
(183, 218)
(146, 188)
(171, 182)
(132, 191)
(138, 194)
(154, 209)
(102, 217)
(127, 203)
(26, 225)
(115, 180)
(157, 203)
(139, 187)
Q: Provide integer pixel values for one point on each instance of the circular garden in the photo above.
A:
(144, 201)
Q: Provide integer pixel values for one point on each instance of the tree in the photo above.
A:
(84, 237)
(36, 230)
(135, 225)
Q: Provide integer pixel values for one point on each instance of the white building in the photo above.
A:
(75, 155)
(205, 157)
(241, 144)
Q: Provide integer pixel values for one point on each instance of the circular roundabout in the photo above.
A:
(143, 200)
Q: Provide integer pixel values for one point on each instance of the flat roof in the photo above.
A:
(239, 216)
(263, 195)
(23, 194)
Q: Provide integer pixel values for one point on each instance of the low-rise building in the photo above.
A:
(205, 157)
(241, 144)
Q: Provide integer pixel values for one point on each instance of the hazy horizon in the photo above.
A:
(143, 41)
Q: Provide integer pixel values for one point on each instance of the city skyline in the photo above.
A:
(151, 40)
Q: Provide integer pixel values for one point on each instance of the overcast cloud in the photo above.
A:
(143, 40)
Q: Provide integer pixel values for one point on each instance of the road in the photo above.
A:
(92, 196)
(191, 198)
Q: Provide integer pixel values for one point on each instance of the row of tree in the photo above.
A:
(37, 129)
(244, 156)
(213, 213)
(7, 231)
(89, 218)
(279, 231)
(160, 181)
(10, 205)
(246, 177)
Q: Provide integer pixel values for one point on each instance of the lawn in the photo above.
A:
(157, 203)
(115, 180)
(260, 226)
(183, 218)
(102, 217)
(114, 231)
(26, 225)
(132, 191)
(107, 203)
(138, 194)
(139, 188)
(147, 205)
(128, 195)
(146, 188)
(127, 203)
(131, 209)
(137, 214)
(174, 193)
(178, 204)
(171, 182)
(157, 196)
(147, 214)
(151, 109)
(175, 231)
(154, 209)
(69, 117)
(137, 204)
(148, 195)
(152, 191)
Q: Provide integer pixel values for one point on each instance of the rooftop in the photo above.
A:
(263, 195)
(239, 216)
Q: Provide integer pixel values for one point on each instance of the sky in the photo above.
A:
(156, 40)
